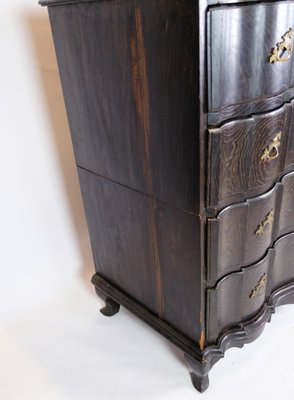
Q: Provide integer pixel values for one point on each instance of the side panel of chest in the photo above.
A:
(145, 248)
(130, 78)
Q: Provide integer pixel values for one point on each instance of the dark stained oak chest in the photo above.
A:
(182, 122)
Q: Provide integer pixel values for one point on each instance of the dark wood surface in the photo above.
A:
(236, 170)
(122, 250)
(240, 76)
(233, 240)
(282, 270)
(52, 3)
(173, 206)
(225, 313)
(160, 272)
(286, 218)
(132, 103)
(132, 97)
(276, 267)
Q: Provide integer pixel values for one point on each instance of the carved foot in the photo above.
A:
(198, 373)
(200, 383)
(111, 307)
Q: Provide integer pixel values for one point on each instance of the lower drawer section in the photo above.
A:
(239, 296)
(241, 233)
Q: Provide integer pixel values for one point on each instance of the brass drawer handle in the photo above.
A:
(282, 50)
(257, 291)
(266, 225)
(272, 150)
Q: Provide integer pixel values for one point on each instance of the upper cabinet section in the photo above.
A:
(133, 120)
(250, 59)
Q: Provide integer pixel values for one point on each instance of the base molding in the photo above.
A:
(199, 362)
(176, 337)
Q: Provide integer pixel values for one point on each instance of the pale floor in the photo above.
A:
(66, 350)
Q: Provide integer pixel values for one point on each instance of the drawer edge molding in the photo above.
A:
(239, 223)
(251, 287)
(240, 271)
(249, 330)
(247, 156)
(216, 118)
(244, 36)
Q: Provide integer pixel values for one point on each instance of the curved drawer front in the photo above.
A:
(247, 156)
(250, 67)
(283, 268)
(241, 234)
(249, 288)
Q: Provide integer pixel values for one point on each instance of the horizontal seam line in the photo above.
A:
(137, 191)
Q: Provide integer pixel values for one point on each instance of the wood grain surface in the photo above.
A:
(129, 75)
(123, 246)
(240, 42)
(236, 170)
(277, 269)
(171, 107)
(233, 241)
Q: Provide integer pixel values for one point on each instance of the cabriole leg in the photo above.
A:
(198, 373)
(111, 307)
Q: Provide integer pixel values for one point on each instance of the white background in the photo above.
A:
(54, 344)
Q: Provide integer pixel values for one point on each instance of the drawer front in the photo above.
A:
(241, 234)
(247, 156)
(243, 70)
(249, 288)
(283, 269)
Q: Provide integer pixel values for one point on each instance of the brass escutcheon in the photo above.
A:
(257, 291)
(266, 225)
(272, 150)
(282, 48)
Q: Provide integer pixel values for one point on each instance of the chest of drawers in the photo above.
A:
(182, 122)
